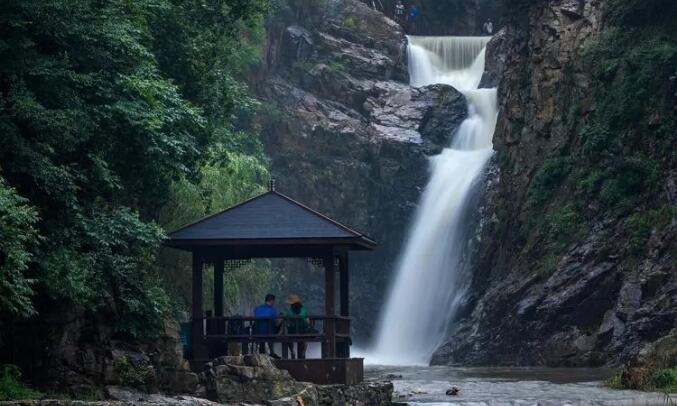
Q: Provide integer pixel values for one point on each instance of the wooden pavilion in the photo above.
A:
(273, 225)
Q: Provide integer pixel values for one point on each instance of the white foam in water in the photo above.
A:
(427, 287)
(455, 61)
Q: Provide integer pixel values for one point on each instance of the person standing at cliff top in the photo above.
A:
(488, 27)
(399, 11)
(412, 17)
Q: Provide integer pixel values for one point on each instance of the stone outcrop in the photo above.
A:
(82, 353)
(595, 306)
(347, 135)
(239, 380)
(253, 379)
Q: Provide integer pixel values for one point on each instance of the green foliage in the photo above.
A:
(336, 66)
(11, 387)
(625, 143)
(548, 178)
(559, 229)
(17, 237)
(109, 263)
(350, 22)
(207, 48)
(665, 379)
(132, 374)
(244, 286)
(640, 225)
(109, 114)
(645, 379)
(225, 179)
(563, 225)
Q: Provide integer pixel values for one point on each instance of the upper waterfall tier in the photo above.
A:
(456, 61)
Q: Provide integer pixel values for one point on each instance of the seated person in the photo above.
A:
(298, 322)
(266, 327)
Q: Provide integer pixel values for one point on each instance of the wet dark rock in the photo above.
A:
(495, 60)
(297, 44)
(346, 134)
(595, 305)
(454, 391)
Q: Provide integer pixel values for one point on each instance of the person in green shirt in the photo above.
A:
(297, 316)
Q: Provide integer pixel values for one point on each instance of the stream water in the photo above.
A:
(427, 386)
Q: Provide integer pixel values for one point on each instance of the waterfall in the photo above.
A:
(427, 288)
(455, 61)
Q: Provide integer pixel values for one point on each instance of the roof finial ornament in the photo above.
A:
(271, 185)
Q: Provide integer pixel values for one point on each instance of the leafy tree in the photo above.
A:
(225, 179)
(17, 237)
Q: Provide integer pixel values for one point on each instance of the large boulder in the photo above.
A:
(253, 379)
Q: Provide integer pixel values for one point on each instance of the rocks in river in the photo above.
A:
(453, 391)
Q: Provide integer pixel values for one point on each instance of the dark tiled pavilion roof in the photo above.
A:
(269, 218)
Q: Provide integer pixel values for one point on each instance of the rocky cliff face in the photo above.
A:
(348, 136)
(576, 260)
(564, 277)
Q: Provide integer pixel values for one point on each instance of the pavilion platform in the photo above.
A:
(273, 225)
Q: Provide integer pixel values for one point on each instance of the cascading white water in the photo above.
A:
(427, 289)
(455, 61)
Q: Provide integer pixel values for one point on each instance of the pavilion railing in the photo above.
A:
(219, 331)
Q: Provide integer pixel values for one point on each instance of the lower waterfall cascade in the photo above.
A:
(428, 287)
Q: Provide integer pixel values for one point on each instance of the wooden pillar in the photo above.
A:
(218, 294)
(344, 282)
(344, 289)
(329, 306)
(199, 353)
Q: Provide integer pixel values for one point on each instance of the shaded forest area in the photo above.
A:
(120, 120)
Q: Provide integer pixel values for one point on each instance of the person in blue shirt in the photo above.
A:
(266, 327)
(412, 17)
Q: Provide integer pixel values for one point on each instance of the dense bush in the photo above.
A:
(646, 379)
(133, 374)
(11, 386)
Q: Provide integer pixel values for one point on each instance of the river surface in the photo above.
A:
(427, 386)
